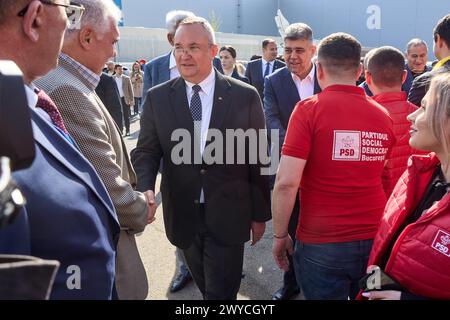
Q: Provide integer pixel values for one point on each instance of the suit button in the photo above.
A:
(203, 172)
(196, 201)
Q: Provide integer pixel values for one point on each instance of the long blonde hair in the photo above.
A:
(440, 115)
(133, 72)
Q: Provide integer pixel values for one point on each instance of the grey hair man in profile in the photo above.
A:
(72, 86)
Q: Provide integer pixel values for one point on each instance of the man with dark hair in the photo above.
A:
(282, 90)
(441, 48)
(384, 75)
(70, 214)
(258, 69)
(126, 95)
(335, 149)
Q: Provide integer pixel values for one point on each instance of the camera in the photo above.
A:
(16, 139)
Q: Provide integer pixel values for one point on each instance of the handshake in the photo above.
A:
(152, 205)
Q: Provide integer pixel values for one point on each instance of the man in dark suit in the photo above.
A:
(157, 71)
(68, 206)
(210, 208)
(282, 90)
(416, 62)
(258, 69)
(109, 94)
(441, 36)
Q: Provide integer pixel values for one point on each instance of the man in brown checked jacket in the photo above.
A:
(72, 86)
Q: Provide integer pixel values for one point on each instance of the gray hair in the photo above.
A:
(415, 42)
(97, 14)
(298, 31)
(204, 23)
(173, 19)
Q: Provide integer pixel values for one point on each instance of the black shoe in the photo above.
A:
(286, 293)
(181, 280)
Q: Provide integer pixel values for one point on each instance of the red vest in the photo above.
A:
(420, 258)
(398, 108)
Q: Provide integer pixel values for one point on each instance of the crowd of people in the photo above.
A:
(361, 191)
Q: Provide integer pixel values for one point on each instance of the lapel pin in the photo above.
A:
(220, 98)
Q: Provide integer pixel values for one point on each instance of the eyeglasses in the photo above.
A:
(191, 50)
(74, 12)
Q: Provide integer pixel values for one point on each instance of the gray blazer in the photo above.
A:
(94, 130)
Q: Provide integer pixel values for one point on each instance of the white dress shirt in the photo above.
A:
(264, 63)
(305, 87)
(207, 98)
(119, 81)
(174, 73)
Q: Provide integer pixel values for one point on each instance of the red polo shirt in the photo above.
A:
(345, 138)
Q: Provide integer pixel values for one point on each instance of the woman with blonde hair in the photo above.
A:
(410, 258)
(137, 80)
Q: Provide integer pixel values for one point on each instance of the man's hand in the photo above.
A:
(152, 206)
(383, 295)
(258, 229)
(280, 249)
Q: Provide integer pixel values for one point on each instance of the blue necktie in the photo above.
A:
(266, 72)
(196, 104)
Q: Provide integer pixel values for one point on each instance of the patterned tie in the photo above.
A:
(46, 104)
(196, 104)
(266, 72)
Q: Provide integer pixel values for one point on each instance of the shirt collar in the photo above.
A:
(32, 97)
(207, 84)
(309, 77)
(86, 73)
(264, 62)
(172, 62)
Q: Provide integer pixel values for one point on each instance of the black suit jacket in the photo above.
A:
(109, 94)
(420, 84)
(254, 74)
(235, 194)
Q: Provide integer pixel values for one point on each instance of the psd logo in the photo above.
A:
(347, 145)
(441, 243)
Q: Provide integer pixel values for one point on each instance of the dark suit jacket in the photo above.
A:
(236, 75)
(157, 71)
(109, 94)
(235, 194)
(254, 74)
(420, 84)
(410, 78)
(71, 217)
(280, 98)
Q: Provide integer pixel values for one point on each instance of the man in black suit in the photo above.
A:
(258, 69)
(109, 94)
(157, 71)
(441, 48)
(282, 91)
(210, 208)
